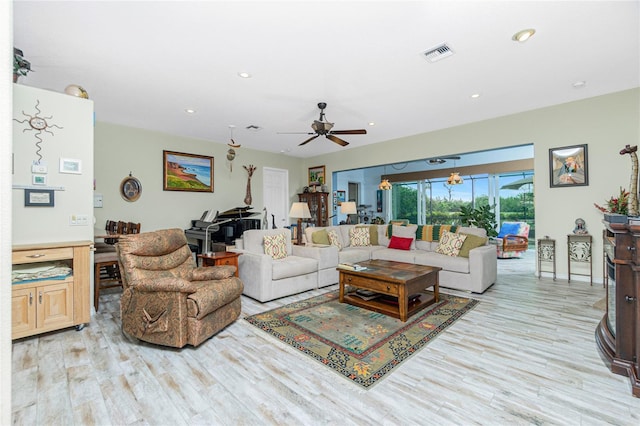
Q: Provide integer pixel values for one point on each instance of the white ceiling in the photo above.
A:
(144, 63)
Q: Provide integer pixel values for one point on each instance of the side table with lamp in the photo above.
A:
(299, 210)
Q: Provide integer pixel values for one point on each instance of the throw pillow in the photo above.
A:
(334, 240)
(509, 228)
(471, 242)
(400, 243)
(408, 231)
(433, 232)
(275, 246)
(450, 243)
(320, 237)
(359, 237)
(373, 233)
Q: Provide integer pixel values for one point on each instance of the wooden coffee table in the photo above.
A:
(398, 279)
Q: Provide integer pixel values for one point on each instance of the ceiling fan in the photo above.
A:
(440, 160)
(322, 127)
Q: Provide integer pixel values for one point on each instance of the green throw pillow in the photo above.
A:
(471, 242)
(320, 237)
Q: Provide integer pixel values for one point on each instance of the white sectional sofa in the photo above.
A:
(314, 265)
(474, 273)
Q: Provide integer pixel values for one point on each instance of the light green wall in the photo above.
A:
(120, 150)
(605, 123)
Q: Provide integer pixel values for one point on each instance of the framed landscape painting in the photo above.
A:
(187, 172)
(316, 175)
(568, 166)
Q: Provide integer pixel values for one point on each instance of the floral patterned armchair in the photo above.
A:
(169, 301)
(512, 240)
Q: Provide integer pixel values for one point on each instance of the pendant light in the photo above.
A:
(454, 178)
(384, 184)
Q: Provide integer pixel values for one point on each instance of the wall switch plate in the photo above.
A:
(79, 220)
(97, 200)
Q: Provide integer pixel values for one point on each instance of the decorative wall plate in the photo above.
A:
(130, 188)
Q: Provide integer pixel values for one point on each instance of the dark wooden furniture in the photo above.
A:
(219, 258)
(397, 279)
(618, 334)
(318, 207)
(579, 249)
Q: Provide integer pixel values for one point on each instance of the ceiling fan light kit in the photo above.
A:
(322, 127)
(455, 179)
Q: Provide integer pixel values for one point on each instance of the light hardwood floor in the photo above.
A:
(525, 355)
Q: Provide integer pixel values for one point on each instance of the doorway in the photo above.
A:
(275, 189)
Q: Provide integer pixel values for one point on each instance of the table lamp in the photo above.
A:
(348, 207)
(300, 211)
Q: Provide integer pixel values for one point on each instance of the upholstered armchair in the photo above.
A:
(272, 267)
(169, 301)
(512, 240)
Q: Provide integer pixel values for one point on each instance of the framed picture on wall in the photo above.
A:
(187, 172)
(568, 166)
(316, 175)
(341, 196)
(38, 198)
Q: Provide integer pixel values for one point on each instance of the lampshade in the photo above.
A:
(348, 207)
(384, 185)
(300, 211)
(454, 179)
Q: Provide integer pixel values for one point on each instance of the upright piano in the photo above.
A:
(224, 228)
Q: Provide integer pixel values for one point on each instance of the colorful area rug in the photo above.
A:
(361, 345)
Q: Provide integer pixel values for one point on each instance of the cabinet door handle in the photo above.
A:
(40, 297)
(30, 298)
(35, 256)
(631, 248)
(629, 299)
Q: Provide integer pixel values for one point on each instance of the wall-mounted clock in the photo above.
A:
(130, 188)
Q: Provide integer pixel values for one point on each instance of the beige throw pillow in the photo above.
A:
(359, 237)
(450, 243)
(275, 246)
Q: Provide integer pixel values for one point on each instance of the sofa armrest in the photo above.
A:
(327, 256)
(168, 284)
(256, 273)
(483, 265)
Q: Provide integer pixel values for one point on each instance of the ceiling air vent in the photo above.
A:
(437, 53)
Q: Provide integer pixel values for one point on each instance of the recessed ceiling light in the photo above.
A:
(190, 111)
(524, 35)
(579, 84)
(475, 95)
(371, 123)
(244, 75)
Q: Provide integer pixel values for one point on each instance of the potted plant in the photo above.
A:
(480, 217)
(20, 65)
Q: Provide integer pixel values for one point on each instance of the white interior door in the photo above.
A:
(276, 196)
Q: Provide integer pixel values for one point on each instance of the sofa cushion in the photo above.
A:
(293, 266)
(320, 237)
(408, 231)
(447, 263)
(471, 242)
(275, 246)
(359, 237)
(450, 243)
(373, 233)
(400, 243)
(509, 228)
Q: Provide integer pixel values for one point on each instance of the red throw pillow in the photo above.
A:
(400, 243)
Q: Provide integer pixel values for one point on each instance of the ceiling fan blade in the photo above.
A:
(349, 132)
(337, 140)
(296, 133)
(309, 140)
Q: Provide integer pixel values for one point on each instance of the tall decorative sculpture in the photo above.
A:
(250, 169)
(633, 186)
